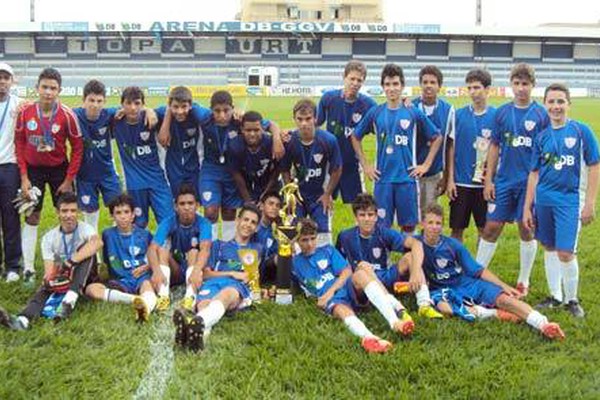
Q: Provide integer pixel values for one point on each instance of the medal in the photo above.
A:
(389, 150)
(222, 159)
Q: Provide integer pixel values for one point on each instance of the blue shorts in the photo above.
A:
(557, 227)
(399, 199)
(159, 198)
(474, 290)
(219, 191)
(316, 212)
(175, 182)
(211, 287)
(88, 192)
(351, 183)
(178, 278)
(128, 285)
(389, 276)
(508, 205)
(345, 295)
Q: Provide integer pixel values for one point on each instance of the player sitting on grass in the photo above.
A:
(324, 273)
(367, 246)
(455, 276)
(225, 286)
(124, 253)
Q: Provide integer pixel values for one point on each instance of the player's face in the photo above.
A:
(432, 227)
(67, 216)
(366, 220)
(247, 224)
(180, 110)
(430, 86)
(270, 207)
(93, 104)
(521, 89)
(222, 113)
(352, 83)
(123, 217)
(558, 106)
(392, 87)
(252, 132)
(477, 92)
(186, 208)
(305, 122)
(307, 243)
(5, 83)
(48, 90)
(132, 108)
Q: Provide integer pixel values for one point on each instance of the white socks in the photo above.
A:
(190, 291)
(92, 218)
(357, 327)
(484, 313)
(116, 296)
(423, 298)
(212, 313)
(163, 290)
(71, 298)
(150, 299)
(378, 297)
(570, 278)
(28, 243)
(536, 320)
(553, 274)
(527, 253)
(485, 252)
(395, 303)
(227, 230)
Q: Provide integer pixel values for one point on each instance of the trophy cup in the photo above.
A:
(249, 260)
(481, 149)
(285, 233)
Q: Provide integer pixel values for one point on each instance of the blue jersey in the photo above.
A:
(341, 117)
(514, 132)
(225, 256)
(375, 249)
(97, 161)
(183, 238)
(471, 143)
(317, 272)
(264, 236)
(122, 253)
(561, 156)
(310, 162)
(396, 139)
(256, 166)
(139, 154)
(442, 116)
(446, 263)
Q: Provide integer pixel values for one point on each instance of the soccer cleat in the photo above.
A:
(12, 276)
(521, 288)
(429, 312)
(195, 334)
(374, 344)
(506, 316)
(28, 276)
(63, 312)
(142, 314)
(163, 303)
(552, 331)
(548, 302)
(401, 287)
(10, 321)
(188, 303)
(406, 325)
(575, 309)
(180, 320)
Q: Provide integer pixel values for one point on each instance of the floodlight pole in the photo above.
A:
(32, 10)
(477, 12)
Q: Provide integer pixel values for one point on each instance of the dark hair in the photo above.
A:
(94, 87)
(435, 209)
(523, 71)
(132, 93)
(250, 208)
(180, 94)
(251, 116)
(221, 97)
(479, 75)
(363, 202)
(560, 88)
(66, 198)
(121, 200)
(305, 106)
(308, 227)
(50, 73)
(431, 70)
(269, 194)
(185, 189)
(355, 65)
(391, 70)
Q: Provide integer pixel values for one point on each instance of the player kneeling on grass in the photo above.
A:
(124, 253)
(69, 253)
(324, 273)
(225, 286)
(455, 276)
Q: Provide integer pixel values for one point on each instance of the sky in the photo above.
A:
(497, 13)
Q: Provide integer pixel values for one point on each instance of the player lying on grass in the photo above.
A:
(124, 253)
(324, 273)
(225, 286)
(454, 276)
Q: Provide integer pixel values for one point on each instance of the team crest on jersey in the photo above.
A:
(404, 123)
(318, 158)
(441, 262)
(85, 199)
(269, 243)
(145, 135)
(322, 264)
(191, 132)
(232, 134)
(529, 125)
(570, 142)
(55, 128)
(102, 131)
(32, 125)
(381, 212)
(486, 133)
(137, 211)
(204, 292)
(376, 252)
(206, 196)
(356, 117)
(491, 208)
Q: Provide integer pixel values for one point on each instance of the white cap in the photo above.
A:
(7, 68)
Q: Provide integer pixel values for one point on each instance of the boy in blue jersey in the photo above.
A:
(315, 156)
(250, 159)
(270, 204)
(368, 247)
(225, 286)
(144, 178)
(396, 170)
(467, 152)
(517, 124)
(564, 182)
(324, 273)
(180, 249)
(125, 254)
(441, 113)
(455, 277)
(341, 110)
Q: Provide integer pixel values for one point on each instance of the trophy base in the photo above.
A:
(284, 297)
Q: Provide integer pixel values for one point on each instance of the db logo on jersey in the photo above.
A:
(519, 141)
(569, 161)
(401, 140)
(313, 173)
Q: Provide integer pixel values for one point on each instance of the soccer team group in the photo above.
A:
(521, 162)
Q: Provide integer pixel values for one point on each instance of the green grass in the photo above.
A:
(297, 352)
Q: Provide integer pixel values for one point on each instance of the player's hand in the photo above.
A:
(164, 137)
(417, 280)
(196, 277)
(157, 279)
(323, 300)
(21, 106)
(278, 149)
(238, 114)
(451, 190)
(240, 276)
(419, 171)
(119, 114)
(406, 102)
(50, 274)
(151, 118)
(66, 186)
(139, 271)
(25, 187)
(489, 191)
(365, 265)
(512, 292)
(285, 136)
(441, 186)
(327, 201)
(528, 221)
(588, 213)
(371, 172)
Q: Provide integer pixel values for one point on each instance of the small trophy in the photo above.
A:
(249, 260)
(285, 233)
(481, 146)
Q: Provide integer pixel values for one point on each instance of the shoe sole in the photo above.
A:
(195, 334)
(141, 313)
(180, 328)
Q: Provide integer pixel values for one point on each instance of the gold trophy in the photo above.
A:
(481, 146)
(286, 233)
(249, 260)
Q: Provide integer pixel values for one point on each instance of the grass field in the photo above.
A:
(297, 352)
